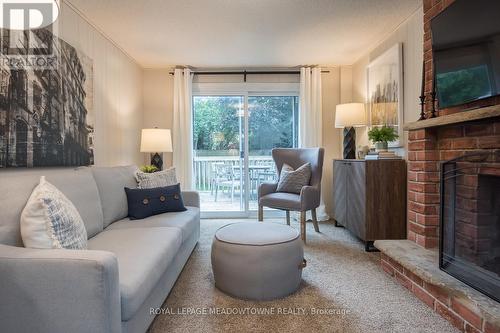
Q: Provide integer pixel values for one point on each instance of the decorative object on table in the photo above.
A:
(363, 151)
(370, 198)
(156, 179)
(143, 203)
(381, 136)
(42, 124)
(348, 116)
(155, 141)
(310, 195)
(383, 155)
(51, 221)
(385, 90)
(148, 169)
(433, 98)
(422, 95)
(292, 181)
(257, 261)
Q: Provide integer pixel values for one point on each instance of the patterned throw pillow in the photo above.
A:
(156, 179)
(51, 221)
(292, 181)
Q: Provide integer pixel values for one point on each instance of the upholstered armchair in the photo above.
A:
(309, 197)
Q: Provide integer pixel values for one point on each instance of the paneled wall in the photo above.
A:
(117, 91)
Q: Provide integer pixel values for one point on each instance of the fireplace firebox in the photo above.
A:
(469, 247)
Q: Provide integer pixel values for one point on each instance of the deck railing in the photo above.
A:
(204, 167)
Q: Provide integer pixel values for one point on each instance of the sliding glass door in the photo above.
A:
(272, 123)
(225, 127)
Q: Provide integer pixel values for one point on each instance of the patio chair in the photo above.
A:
(309, 197)
(225, 178)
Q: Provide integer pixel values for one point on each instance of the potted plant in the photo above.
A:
(381, 136)
(148, 168)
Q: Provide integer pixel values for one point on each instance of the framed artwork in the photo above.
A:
(385, 91)
(46, 114)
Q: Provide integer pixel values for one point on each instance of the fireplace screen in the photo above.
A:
(470, 221)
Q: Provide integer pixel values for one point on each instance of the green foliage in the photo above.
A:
(382, 134)
(148, 168)
(217, 122)
(462, 86)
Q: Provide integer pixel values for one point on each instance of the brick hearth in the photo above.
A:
(416, 269)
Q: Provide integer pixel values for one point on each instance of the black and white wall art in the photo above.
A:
(46, 101)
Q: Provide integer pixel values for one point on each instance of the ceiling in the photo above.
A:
(249, 33)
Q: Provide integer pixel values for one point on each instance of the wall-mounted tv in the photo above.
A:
(466, 52)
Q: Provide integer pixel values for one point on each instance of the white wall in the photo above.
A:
(410, 34)
(117, 91)
(158, 92)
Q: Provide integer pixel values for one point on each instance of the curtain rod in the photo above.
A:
(245, 73)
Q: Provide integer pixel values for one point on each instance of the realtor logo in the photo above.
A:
(28, 29)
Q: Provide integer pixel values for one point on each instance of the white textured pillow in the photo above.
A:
(50, 220)
(156, 179)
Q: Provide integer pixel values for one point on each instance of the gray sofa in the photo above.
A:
(129, 268)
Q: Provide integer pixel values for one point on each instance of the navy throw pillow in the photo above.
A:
(143, 203)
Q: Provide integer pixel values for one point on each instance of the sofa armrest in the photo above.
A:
(310, 197)
(191, 198)
(267, 188)
(52, 290)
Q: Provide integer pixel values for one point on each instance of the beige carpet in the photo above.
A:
(340, 279)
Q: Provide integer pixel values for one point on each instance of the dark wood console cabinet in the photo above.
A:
(370, 198)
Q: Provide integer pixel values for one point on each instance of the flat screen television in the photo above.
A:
(466, 52)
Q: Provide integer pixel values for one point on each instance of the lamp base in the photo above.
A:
(157, 161)
(349, 143)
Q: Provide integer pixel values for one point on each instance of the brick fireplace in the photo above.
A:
(459, 131)
(427, 148)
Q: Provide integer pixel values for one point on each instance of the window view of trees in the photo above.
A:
(218, 121)
(455, 87)
(273, 123)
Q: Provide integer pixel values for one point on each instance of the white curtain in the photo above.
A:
(182, 130)
(311, 117)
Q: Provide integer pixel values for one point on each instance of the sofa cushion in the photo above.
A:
(186, 222)
(143, 257)
(111, 183)
(16, 185)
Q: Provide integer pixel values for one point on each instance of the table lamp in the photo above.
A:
(348, 116)
(155, 141)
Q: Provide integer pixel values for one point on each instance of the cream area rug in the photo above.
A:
(343, 290)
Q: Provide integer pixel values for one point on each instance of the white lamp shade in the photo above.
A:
(350, 115)
(155, 140)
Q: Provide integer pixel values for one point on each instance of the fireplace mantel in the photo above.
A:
(461, 117)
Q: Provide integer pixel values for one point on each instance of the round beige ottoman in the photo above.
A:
(257, 261)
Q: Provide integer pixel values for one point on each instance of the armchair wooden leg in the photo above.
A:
(315, 220)
(303, 226)
(288, 217)
(261, 213)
